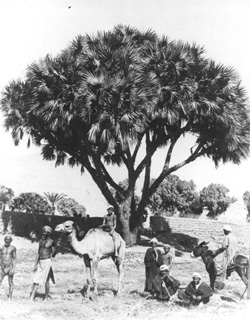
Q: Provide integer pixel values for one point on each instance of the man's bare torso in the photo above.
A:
(110, 220)
(45, 248)
(7, 255)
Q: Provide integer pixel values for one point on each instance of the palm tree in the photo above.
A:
(106, 97)
(53, 199)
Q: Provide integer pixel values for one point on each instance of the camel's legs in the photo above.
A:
(119, 265)
(93, 273)
(88, 273)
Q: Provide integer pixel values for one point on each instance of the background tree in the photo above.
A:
(70, 208)
(175, 194)
(246, 199)
(31, 202)
(107, 97)
(6, 196)
(53, 199)
(214, 198)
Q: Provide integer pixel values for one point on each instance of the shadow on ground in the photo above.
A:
(179, 241)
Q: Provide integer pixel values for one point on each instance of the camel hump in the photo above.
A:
(99, 233)
(97, 238)
(102, 232)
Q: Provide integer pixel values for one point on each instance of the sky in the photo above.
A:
(30, 29)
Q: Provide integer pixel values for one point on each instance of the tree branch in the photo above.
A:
(166, 170)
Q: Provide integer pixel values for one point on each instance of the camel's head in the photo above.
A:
(66, 227)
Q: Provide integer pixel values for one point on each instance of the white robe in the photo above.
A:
(231, 246)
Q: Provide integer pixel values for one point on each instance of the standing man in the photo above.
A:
(167, 257)
(229, 249)
(43, 265)
(152, 261)
(8, 263)
(109, 225)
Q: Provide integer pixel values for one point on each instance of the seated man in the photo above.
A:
(109, 225)
(164, 285)
(196, 292)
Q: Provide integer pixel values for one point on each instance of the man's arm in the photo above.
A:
(104, 221)
(189, 291)
(114, 223)
(170, 261)
(225, 243)
(54, 249)
(13, 268)
(37, 258)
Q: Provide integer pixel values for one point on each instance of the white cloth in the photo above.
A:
(231, 246)
(44, 269)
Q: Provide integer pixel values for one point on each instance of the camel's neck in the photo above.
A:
(78, 246)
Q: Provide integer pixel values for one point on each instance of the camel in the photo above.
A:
(240, 264)
(95, 246)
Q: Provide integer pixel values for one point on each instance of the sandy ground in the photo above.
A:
(66, 300)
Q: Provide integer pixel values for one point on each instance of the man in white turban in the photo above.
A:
(196, 291)
(152, 261)
(229, 248)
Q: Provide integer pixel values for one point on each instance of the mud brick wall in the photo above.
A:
(209, 230)
(28, 225)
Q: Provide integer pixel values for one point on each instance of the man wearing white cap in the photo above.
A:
(229, 248)
(196, 292)
(152, 260)
(43, 265)
(164, 285)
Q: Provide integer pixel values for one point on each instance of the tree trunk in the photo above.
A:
(129, 236)
(126, 217)
(248, 289)
(125, 230)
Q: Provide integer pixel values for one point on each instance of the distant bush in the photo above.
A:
(70, 208)
(173, 195)
(31, 202)
(215, 199)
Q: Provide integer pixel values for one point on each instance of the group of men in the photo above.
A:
(159, 284)
(158, 264)
(47, 250)
(42, 269)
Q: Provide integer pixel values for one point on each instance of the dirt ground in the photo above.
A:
(66, 300)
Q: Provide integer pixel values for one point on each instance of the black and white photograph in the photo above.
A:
(124, 159)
